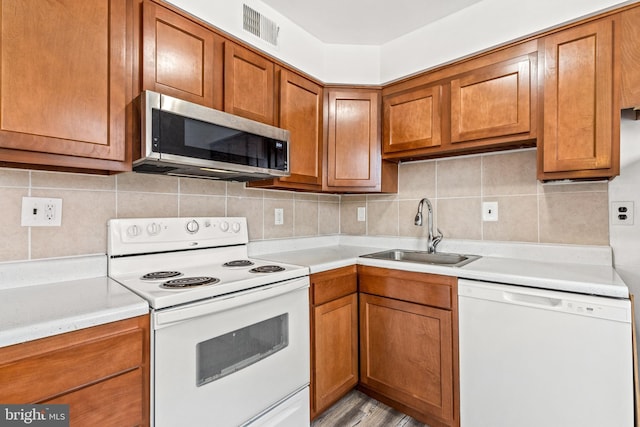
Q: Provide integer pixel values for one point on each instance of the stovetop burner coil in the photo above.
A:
(267, 269)
(189, 282)
(238, 263)
(158, 275)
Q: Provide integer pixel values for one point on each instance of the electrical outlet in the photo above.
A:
(41, 212)
(362, 213)
(621, 213)
(278, 213)
(489, 211)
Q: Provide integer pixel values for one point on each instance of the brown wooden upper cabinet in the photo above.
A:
(353, 151)
(178, 57)
(300, 112)
(248, 84)
(580, 119)
(65, 81)
(630, 58)
(493, 101)
(482, 104)
(412, 120)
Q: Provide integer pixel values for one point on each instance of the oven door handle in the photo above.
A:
(171, 316)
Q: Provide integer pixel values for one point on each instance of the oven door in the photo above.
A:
(224, 361)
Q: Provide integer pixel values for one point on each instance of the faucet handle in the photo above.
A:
(437, 238)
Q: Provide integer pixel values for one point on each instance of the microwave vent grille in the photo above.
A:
(259, 25)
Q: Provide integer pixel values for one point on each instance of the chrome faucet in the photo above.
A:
(432, 241)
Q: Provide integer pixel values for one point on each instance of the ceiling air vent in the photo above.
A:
(255, 23)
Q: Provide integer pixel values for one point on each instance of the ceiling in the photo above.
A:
(364, 22)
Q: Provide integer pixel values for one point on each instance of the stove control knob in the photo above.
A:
(235, 227)
(193, 226)
(224, 226)
(133, 231)
(153, 228)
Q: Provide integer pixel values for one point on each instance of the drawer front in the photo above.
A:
(57, 369)
(114, 402)
(333, 284)
(419, 288)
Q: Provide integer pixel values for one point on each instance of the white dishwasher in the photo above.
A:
(541, 358)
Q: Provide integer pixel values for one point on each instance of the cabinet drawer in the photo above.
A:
(333, 284)
(420, 288)
(42, 369)
(113, 402)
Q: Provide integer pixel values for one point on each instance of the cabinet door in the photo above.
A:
(334, 336)
(580, 135)
(301, 115)
(406, 354)
(412, 120)
(335, 351)
(248, 84)
(353, 143)
(178, 56)
(491, 102)
(65, 78)
(630, 58)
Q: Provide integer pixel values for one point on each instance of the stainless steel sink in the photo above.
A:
(421, 257)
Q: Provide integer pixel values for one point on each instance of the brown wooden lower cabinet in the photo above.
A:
(408, 343)
(334, 336)
(102, 373)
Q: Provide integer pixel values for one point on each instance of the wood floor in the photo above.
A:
(358, 409)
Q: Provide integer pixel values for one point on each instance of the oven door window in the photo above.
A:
(233, 351)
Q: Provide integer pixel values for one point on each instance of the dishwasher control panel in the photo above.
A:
(571, 303)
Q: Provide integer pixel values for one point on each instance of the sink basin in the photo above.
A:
(421, 257)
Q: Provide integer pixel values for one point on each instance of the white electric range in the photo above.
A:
(230, 334)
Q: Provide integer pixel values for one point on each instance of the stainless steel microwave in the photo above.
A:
(181, 138)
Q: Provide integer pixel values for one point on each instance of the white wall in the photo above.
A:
(352, 64)
(328, 62)
(296, 46)
(476, 28)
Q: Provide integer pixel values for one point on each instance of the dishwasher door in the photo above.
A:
(533, 357)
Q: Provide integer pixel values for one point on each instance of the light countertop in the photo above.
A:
(38, 311)
(598, 279)
(77, 294)
(45, 297)
(322, 258)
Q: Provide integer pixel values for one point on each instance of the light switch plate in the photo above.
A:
(489, 211)
(362, 213)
